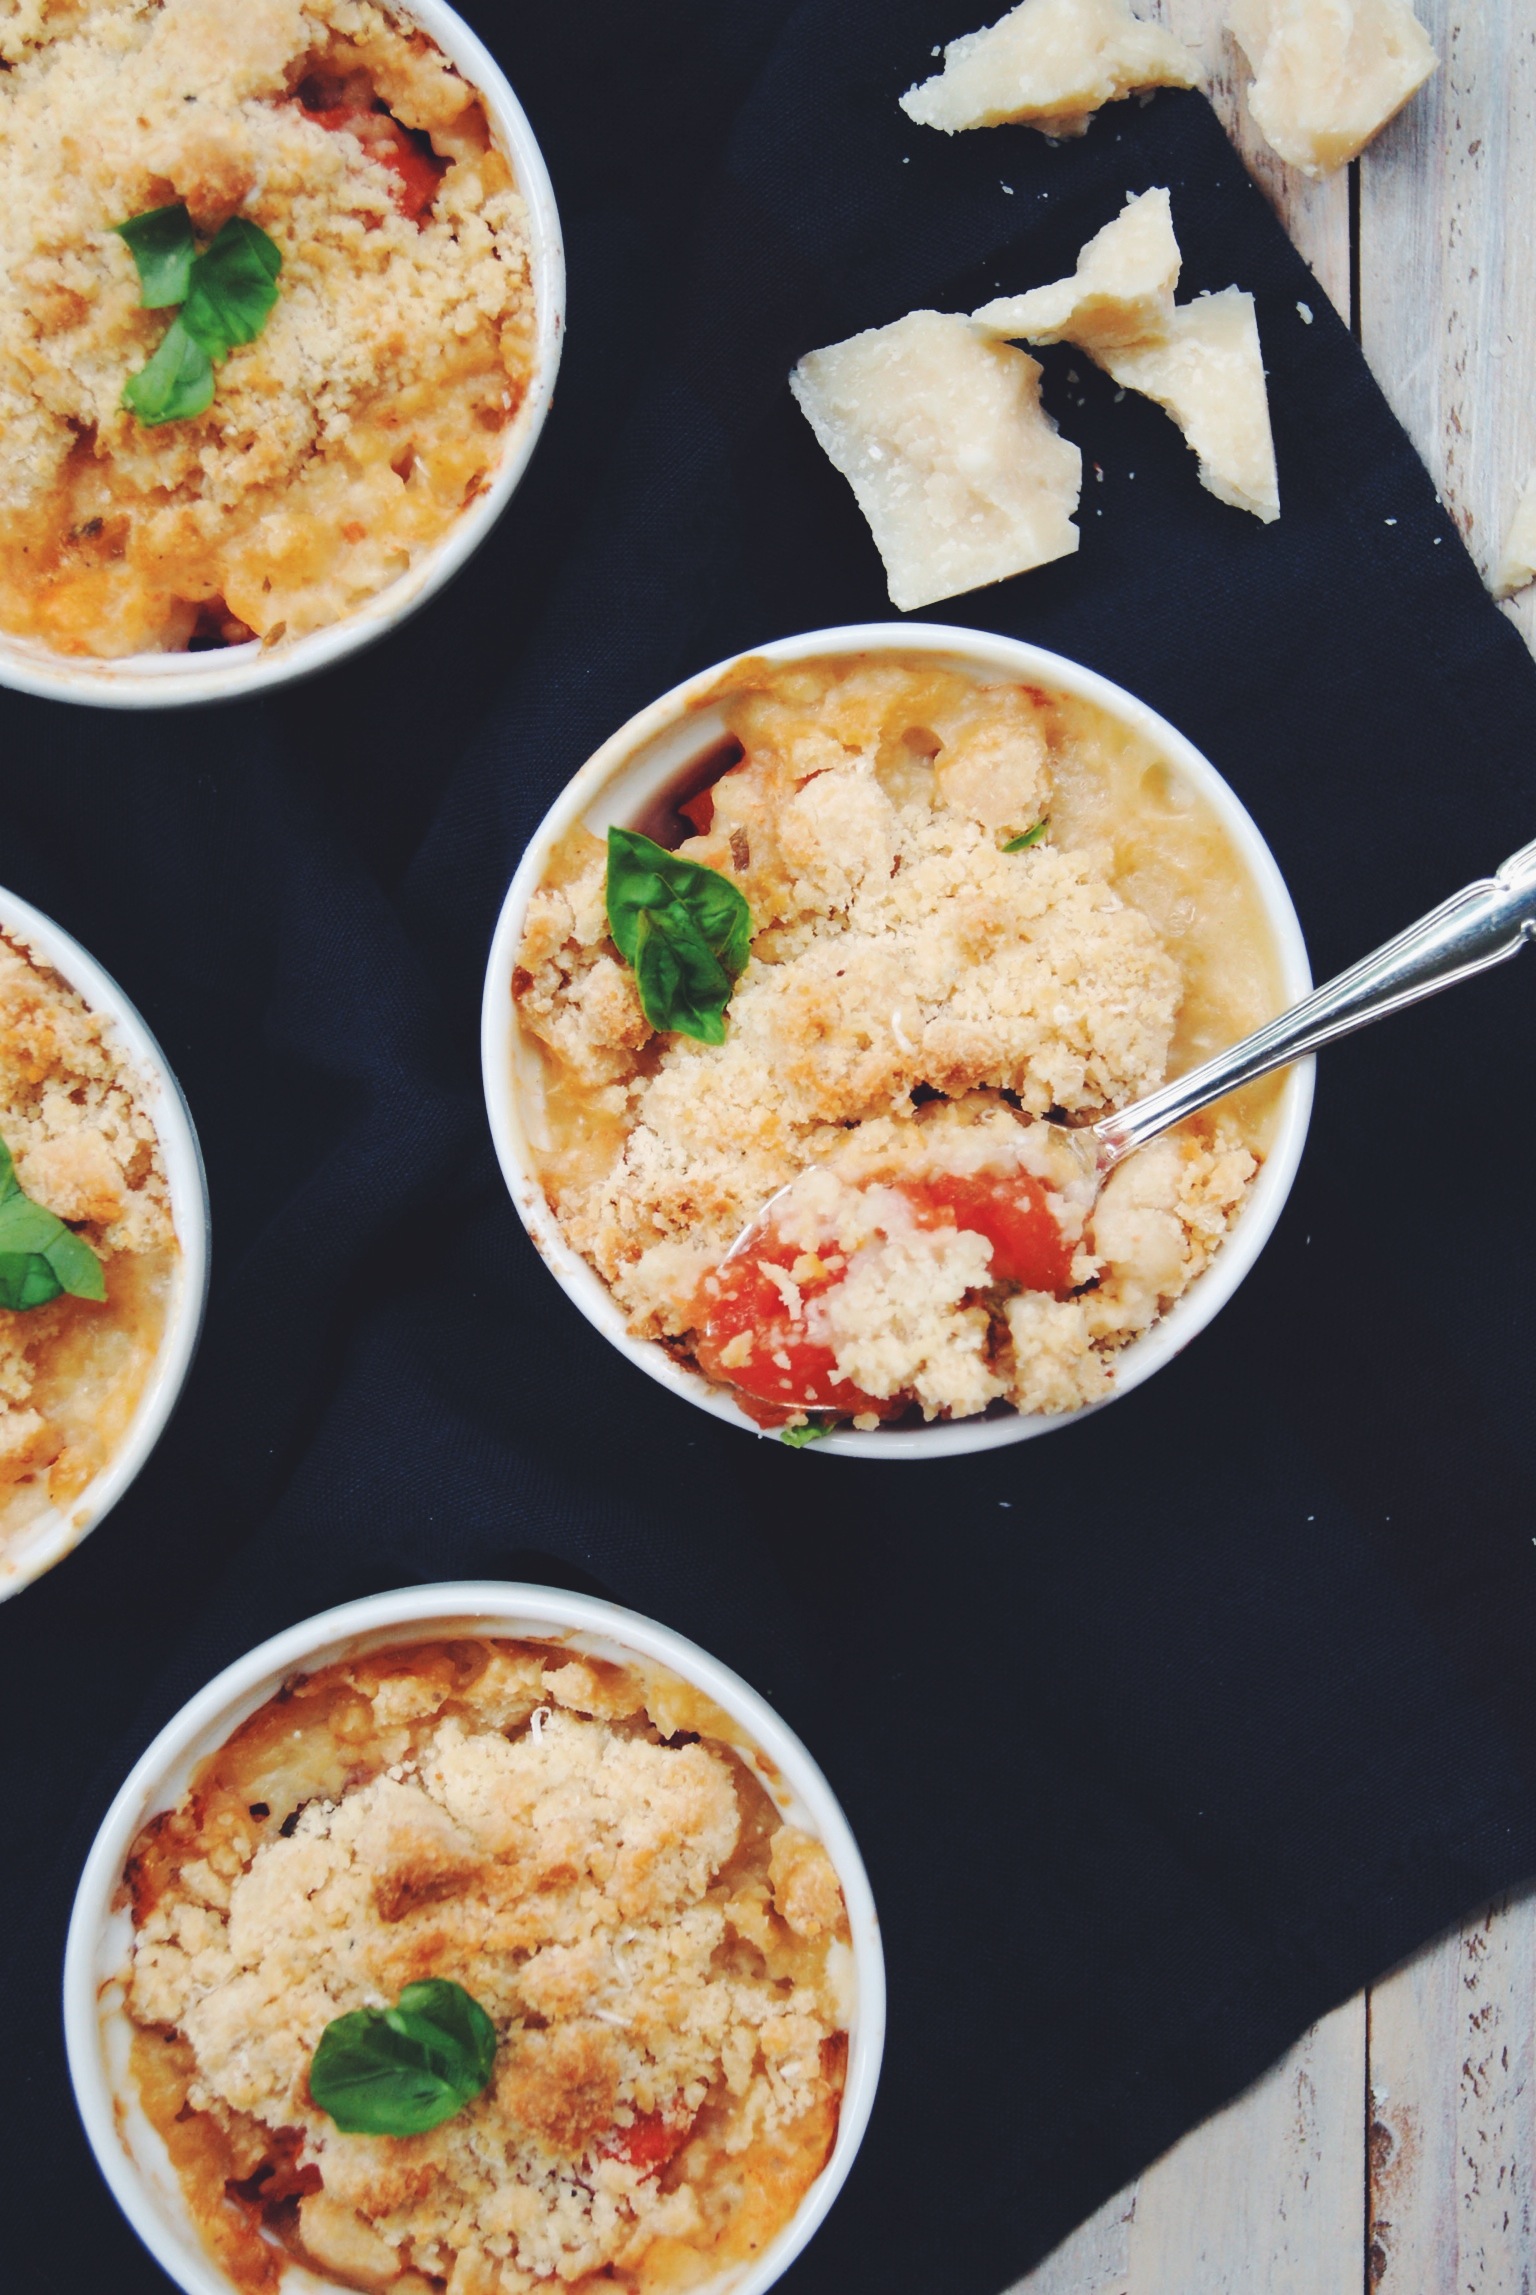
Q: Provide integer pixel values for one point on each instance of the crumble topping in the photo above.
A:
(915, 993)
(84, 1146)
(664, 1960)
(353, 431)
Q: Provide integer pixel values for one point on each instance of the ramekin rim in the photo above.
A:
(173, 680)
(1016, 656)
(191, 1217)
(244, 1684)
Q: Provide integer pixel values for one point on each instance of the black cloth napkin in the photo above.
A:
(1160, 1735)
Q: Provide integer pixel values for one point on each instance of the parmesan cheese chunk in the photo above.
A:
(1329, 74)
(1517, 566)
(1200, 361)
(1052, 64)
(959, 471)
(1207, 370)
(1121, 291)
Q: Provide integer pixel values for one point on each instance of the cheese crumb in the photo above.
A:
(1329, 74)
(1051, 64)
(1200, 361)
(959, 471)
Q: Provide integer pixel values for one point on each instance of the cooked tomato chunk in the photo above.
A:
(1013, 1212)
(749, 1340)
(650, 2140)
(752, 1332)
(417, 172)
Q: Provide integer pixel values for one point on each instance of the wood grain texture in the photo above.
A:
(1393, 2152)
(1315, 214)
(1453, 2126)
(1266, 2198)
(1096, 2260)
(1448, 284)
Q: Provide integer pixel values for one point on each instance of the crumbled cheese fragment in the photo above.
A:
(1329, 74)
(1051, 63)
(1517, 564)
(1207, 370)
(957, 467)
(1201, 361)
(1121, 291)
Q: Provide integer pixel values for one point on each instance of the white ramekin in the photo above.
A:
(96, 2025)
(615, 786)
(160, 680)
(53, 1533)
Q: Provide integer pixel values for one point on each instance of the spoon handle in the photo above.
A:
(1477, 927)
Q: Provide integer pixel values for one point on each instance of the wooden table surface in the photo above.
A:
(1394, 2148)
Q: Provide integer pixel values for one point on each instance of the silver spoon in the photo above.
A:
(1482, 925)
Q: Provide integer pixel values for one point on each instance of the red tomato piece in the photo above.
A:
(700, 810)
(648, 2142)
(383, 138)
(786, 1371)
(1012, 1211)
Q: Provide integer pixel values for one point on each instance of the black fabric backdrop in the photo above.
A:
(1160, 1736)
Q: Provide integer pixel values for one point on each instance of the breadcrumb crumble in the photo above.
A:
(917, 993)
(370, 411)
(579, 1844)
(72, 1114)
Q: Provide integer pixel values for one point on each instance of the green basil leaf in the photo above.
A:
(232, 288)
(176, 384)
(400, 2071)
(685, 929)
(1030, 837)
(162, 246)
(76, 1266)
(39, 1255)
(683, 985)
(813, 1431)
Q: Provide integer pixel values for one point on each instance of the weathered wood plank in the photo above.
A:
(1448, 294)
(1452, 2046)
(1315, 214)
(1266, 2198)
(1095, 2260)
(1271, 2196)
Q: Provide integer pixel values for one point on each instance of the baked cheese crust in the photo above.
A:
(352, 433)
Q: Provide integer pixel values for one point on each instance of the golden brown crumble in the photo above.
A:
(582, 1846)
(351, 433)
(901, 952)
